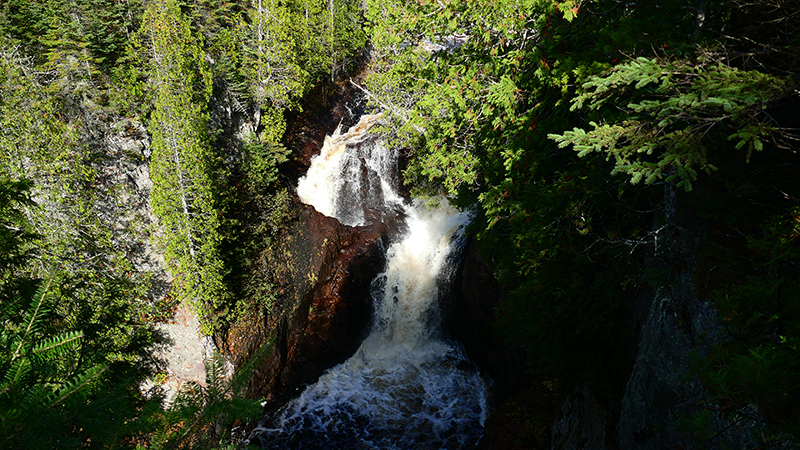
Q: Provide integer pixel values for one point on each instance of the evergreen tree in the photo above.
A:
(674, 111)
(274, 58)
(16, 234)
(186, 187)
(663, 92)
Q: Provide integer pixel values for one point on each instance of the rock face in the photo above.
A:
(582, 424)
(124, 199)
(663, 394)
(306, 131)
(323, 307)
(319, 269)
(321, 272)
(468, 317)
(662, 391)
(124, 187)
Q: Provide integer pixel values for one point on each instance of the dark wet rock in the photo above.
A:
(523, 421)
(583, 423)
(341, 103)
(469, 317)
(663, 391)
(321, 273)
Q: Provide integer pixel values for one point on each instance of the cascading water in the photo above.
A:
(353, 177)
(405, 387)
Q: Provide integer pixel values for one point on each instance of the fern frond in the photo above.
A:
(76, 384)
(11, 308)
(11, 415)
(216, 385)
(35, 316)
(58, 345)
(189, 400)
(14, 375)
(243, 409)
(32, 402)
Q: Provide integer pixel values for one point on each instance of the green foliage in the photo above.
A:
(473, 90)
(75, 349)
(292, 45)
(85, 34)
(40, 142)
(53, 394)
(698, 427)
(273, 61)
(16, 234)
(451, 96)
(674, 111)
(186, 187)
(263, 159)
(760, 305)
(55, 100)
(474, 113)
(481, 93)
(202, 416)
(267, 56)
(32, 131)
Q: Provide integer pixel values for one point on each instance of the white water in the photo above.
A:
(354, 175)
(405, 387)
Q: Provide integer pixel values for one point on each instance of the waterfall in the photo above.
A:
(405, 387)
(354, 177)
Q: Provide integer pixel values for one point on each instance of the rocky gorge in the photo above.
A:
(392, 225)
(329, 313)
(321, 271)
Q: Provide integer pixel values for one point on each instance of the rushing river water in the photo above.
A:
(406, 387)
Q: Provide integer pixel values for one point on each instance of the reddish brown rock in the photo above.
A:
(322, 271)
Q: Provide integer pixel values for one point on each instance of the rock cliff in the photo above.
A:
(323, 307)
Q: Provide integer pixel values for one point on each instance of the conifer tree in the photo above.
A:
(273, 57)
(37, 143)
(185, 185)
(672, 111)
(100, 291)
(16, 235)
